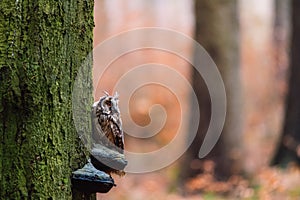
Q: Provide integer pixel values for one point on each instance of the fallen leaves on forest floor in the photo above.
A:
(268, 183)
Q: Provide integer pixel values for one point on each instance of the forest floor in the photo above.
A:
(269, 183)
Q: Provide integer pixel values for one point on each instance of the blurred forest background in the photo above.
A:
(250, 42)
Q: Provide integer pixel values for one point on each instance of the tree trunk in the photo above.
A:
(42, 46)
(281, 38)
(289, 146)
(217, 30)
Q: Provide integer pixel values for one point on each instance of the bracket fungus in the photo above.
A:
(90, 180)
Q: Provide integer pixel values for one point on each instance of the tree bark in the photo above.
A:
(42, 46)
(289, 146)
(217, 30)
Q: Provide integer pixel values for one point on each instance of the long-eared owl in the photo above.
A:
(107, 115)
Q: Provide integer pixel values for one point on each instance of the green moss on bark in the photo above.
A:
(42, 46)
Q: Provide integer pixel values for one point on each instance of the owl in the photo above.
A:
(107, 117)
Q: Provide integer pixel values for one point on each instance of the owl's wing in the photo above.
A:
(97, 132)
(118, 135)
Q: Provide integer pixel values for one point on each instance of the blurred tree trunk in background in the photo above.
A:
(217, 30)
(42, 46)
(282, 34)
(289, 146)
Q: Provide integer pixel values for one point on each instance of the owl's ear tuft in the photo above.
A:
(116, 95)
(106, 93)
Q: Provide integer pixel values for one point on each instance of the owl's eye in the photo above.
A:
(108, 103)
